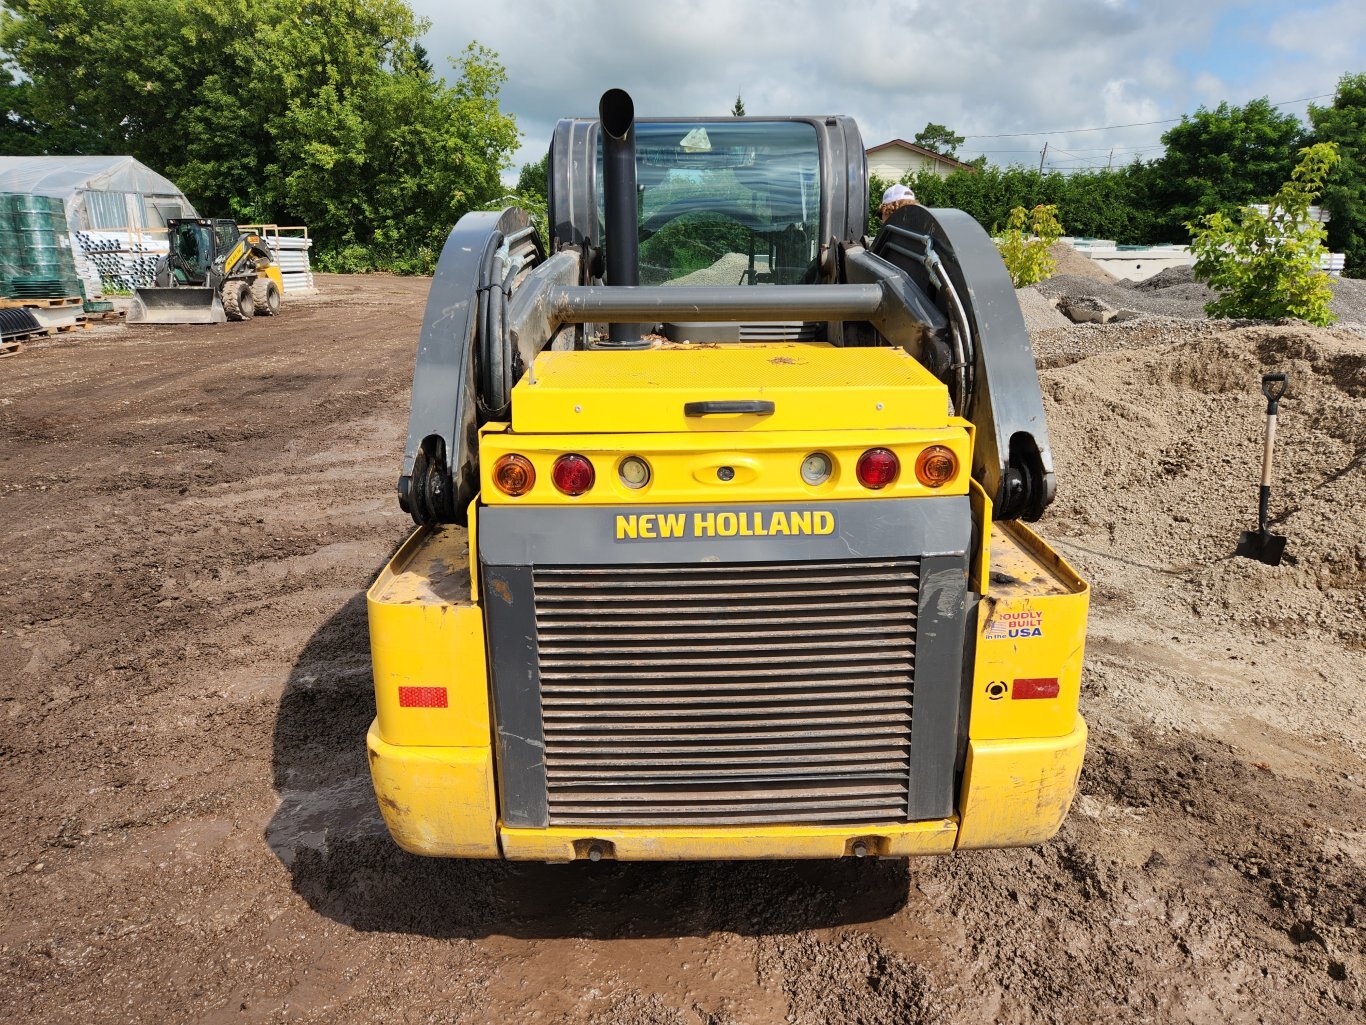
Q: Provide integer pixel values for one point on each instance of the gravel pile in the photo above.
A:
(1185, 301)
(1349, 300)
(1165, 278)
(1040, 311)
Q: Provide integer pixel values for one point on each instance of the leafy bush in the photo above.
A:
(1267, 265)
(1025, 241)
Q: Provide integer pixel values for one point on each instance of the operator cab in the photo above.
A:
(196, 243)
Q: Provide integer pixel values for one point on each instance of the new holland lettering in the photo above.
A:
(724, 523)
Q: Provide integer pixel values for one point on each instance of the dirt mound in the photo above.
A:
(1070, 262)
(1161, 451)
(1060, 345)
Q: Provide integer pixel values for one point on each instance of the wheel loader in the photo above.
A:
(213, 272)
(721, 546)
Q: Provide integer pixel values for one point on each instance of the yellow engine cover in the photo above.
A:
(812, 387)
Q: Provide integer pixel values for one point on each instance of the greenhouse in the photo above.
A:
(99, 193)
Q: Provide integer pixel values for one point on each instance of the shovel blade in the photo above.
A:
(1263, 546)
(183, 305)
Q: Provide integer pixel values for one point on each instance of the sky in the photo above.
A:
(1008, 74)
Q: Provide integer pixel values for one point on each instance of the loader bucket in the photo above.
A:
(184, 305)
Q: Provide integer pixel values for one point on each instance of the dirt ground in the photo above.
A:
(190, 517)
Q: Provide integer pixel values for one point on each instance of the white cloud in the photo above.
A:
(983, 67)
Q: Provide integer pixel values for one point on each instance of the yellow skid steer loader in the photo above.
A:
(213, 273)
(720, 549)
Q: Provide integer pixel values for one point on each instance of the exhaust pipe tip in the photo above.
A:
(616, 113)
(621, 265)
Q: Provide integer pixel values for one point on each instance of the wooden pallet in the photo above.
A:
(62, 329)
(40, 304)
(12, 346)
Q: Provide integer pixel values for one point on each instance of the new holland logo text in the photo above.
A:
(689, 526)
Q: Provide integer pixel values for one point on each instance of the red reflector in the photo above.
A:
(422, 697)
(877, 468)
(572, 474)
(1042, 688)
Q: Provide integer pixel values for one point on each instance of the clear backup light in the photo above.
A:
(634, 472)
(816, 468)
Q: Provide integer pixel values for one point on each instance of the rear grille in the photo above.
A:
(781, 331)
(711, 694)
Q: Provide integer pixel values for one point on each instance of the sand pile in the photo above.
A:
(1073, 264)
(1157, 451)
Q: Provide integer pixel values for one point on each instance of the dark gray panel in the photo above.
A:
(515, 536)
(512, 540)
(938, 679)
(511, 624)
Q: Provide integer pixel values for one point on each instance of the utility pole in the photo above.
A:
(1042, 155)
(1111, 162)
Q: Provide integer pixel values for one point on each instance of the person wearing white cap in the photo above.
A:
(894, 199)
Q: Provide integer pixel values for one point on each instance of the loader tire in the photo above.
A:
(237, 301)
(265, 296)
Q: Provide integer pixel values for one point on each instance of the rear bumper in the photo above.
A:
(440, 801)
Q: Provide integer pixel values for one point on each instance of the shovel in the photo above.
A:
(1261, 544)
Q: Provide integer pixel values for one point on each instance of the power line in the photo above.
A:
(1136, 124)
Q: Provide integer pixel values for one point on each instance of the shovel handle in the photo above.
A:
(1273, 387)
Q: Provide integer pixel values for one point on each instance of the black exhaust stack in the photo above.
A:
(617, 117)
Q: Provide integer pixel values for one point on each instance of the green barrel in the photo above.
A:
(36, 261)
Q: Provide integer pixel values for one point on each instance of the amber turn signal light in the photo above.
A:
(514, 475)
(936, 466)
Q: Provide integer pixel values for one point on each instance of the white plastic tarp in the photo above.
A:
(97, 189)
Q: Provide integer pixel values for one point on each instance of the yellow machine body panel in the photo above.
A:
(433, 761)
(765, 465)
(810, 386)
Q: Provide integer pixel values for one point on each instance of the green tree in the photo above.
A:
(1344, 193)
(328, 114)
(739, 109)
(532, 180)
(1222, 159)
(939, 138)
(1266, 266)
(1102, 204)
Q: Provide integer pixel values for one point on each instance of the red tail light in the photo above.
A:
(877, 468)
(572, 474)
